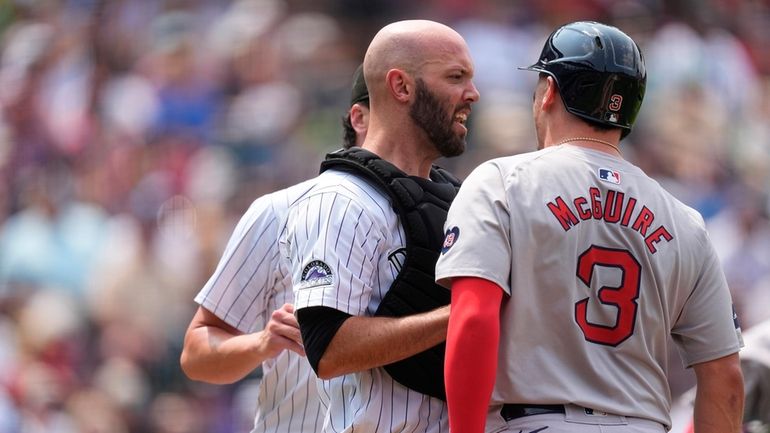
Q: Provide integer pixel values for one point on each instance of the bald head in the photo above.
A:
(420, 79)
(408, 46)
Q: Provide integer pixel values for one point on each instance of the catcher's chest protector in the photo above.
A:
(422, 207)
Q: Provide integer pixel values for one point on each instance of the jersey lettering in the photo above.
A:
(583, 213)
(596, 203)
(563, 213)
(613, 206)
(622, 297)
(397, 259)
(643, 221)
(655, 237)
(609, 208)
(629, 210)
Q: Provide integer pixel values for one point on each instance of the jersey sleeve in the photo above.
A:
(707, 327)
(477, 242)
(248, 272)
(333, 246)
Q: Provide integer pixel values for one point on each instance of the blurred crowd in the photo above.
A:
(133, 135)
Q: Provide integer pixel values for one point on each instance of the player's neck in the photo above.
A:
(405, 158)
(562, 127)
(602, 141)
(594, 143)
(401, 152)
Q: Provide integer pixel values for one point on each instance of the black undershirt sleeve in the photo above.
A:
(318, 325)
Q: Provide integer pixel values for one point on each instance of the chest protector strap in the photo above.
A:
(422, 207)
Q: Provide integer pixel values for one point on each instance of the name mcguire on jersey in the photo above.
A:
(612, 208)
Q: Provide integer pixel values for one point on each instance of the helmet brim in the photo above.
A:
(534, 67)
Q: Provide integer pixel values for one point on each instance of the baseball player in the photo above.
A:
(755, 365)
(569, 269)
(245, 318)
(346, 243)
(356, 121)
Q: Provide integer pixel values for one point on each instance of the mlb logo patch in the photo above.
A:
(611, 176)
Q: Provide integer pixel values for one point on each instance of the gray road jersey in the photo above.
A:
(600, 265)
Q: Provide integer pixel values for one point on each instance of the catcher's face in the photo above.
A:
(444, 93)
(439, 121)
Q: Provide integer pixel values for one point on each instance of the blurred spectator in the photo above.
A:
(53, 238)
(133, 134)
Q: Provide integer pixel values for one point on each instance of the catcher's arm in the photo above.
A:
(361, 343)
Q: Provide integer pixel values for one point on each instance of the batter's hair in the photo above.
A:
(348, 133)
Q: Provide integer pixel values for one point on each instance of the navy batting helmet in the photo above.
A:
(599, 71)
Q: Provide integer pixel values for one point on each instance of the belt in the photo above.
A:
(513, 411)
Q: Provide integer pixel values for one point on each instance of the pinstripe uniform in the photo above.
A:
(349, 229)
(250, 283)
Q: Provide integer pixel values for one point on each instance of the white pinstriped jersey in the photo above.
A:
(250, 282)
(346, 246)
(601, 266)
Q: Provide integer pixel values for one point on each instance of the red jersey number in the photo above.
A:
(622, 298)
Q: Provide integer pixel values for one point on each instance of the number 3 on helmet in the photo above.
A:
(599, 70)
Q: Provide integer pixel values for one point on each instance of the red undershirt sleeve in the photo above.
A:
(471, 357)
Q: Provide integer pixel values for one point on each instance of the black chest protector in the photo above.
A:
(422, 207)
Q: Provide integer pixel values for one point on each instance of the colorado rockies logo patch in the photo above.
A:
(316, 273)
(451, 237)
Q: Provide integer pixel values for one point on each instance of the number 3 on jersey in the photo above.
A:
(623, 297)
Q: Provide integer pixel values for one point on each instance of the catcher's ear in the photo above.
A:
(399, 84)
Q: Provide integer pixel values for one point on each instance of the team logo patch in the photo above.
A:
(316, 273)
(611, 176)
(450, 238)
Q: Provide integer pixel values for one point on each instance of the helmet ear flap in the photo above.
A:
(599, 71)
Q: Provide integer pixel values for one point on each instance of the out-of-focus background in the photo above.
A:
(134, 133)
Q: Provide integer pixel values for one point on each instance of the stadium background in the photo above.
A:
(134, 133)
